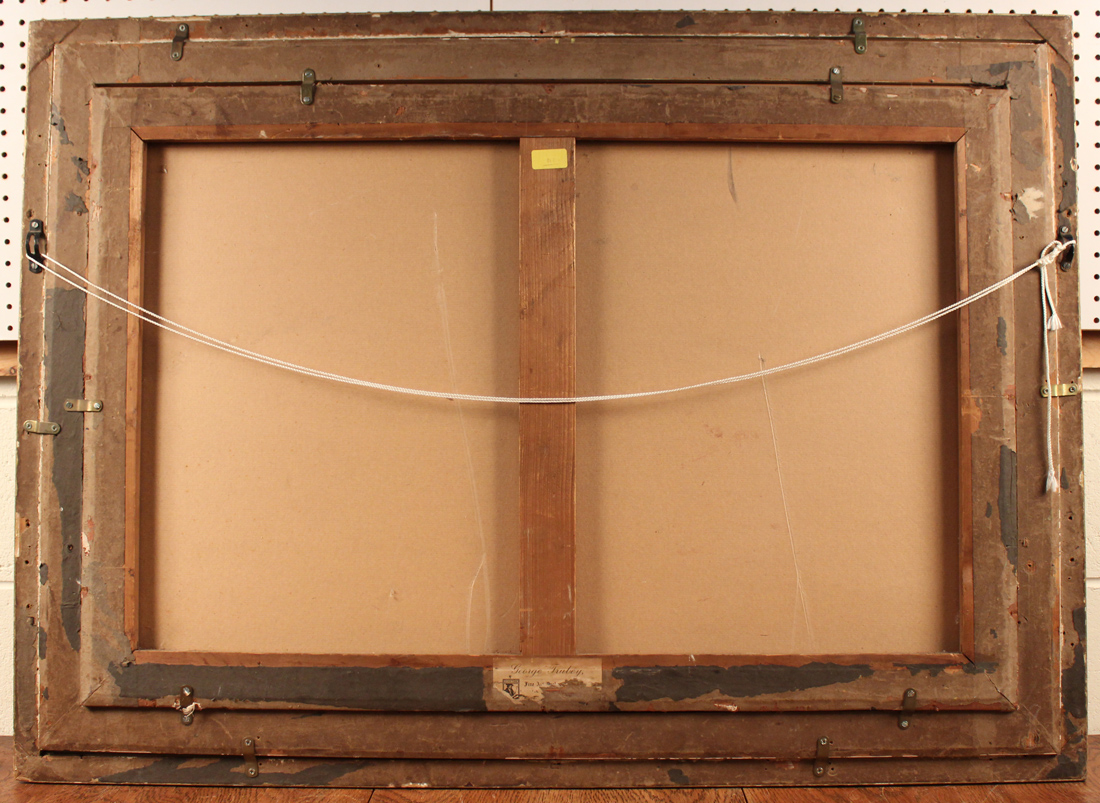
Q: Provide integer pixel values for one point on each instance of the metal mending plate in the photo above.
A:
(41, 427)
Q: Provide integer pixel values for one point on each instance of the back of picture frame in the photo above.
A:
(529, 400)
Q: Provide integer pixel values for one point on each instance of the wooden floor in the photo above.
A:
(10, 790)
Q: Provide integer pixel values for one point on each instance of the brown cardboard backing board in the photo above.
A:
(699, 261)
(282, 513)
(689, 548)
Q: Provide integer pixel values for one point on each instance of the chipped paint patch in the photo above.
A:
(1006, 505)
(643, 684)
(74, 203)
(58, 122)
(971, 412)
(678, 777)
(1032, 201)
(726, 706)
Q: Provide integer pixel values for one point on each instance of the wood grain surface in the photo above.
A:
(547, 442)
(986, 793)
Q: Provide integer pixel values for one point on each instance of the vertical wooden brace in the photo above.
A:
(547, 245)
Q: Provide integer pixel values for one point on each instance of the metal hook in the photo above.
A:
(35, 234)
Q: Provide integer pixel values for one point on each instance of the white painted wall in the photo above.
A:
(13, 20)
(8, 430)
(1091, 397)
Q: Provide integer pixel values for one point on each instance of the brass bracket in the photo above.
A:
(252, 767)
(42, 427)
(83, 406)
(187, 705)
(908, 706)
(836, 84)
(183, 33)
(309, 85)
(1065, 389)
(821, 759)
(859, 31)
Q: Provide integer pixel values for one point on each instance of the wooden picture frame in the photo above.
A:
(95, 704)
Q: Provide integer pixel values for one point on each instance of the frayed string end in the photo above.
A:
(1052, 482)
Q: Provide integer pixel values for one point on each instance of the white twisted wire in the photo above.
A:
(79, 282)
(1051, 324)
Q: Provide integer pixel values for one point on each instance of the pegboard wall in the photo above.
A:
(15, 14)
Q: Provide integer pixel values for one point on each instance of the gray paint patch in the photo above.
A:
(988, 510)
(231, 772)
(1068, 768)
(686, 22)
(1002, 336)
(58, 122)
(43, 573)
(41, 643)
(1074, 699)
(677, 777)
(648, 683)
(81, 168)
(359, 688)
(1064, 114)
(74, 203)
(1006, 505)
(64, 311)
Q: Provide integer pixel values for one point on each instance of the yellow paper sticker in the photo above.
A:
(550, 159)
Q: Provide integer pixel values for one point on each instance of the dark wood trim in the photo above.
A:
(175, 658)
(969, 417)
(679, 132)
(134, 293)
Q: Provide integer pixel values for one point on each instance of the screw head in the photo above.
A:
(1064, 230)
(28, 426)
(903, 724)
(181, 27)
(835, 71)
(248, 742)
(187, 691)
(54, 428)
(177, 56)
(35, 224)
(97, 406)
(819, 770)
(860, 48)
(823, 740)
(252, 772)
(910, 692)
(187, 719)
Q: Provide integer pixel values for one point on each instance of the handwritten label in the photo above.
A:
(550, 159)
(523, 679)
